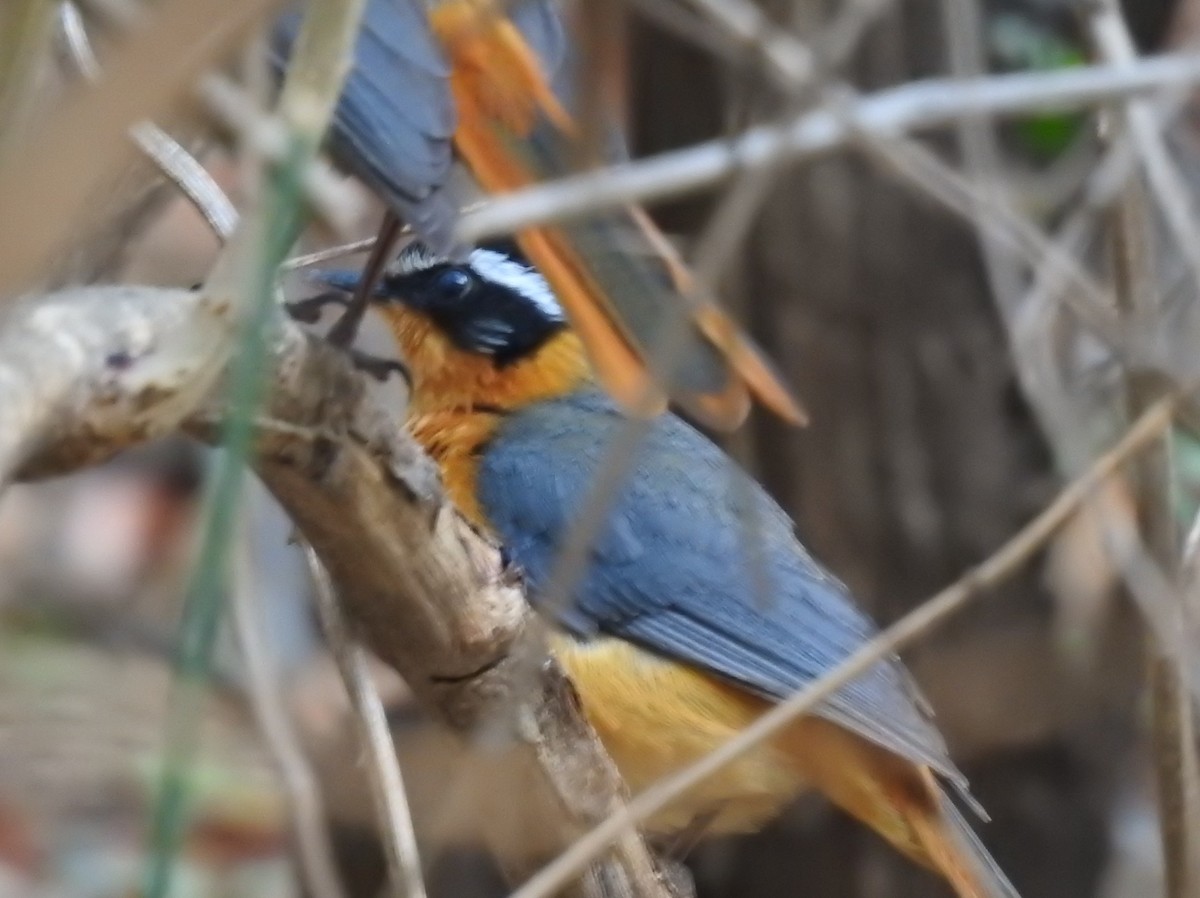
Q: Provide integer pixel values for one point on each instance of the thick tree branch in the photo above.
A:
(88, 372)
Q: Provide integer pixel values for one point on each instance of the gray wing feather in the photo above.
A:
(541, 25)
(990, 875)
(671, 571)
(394, 123)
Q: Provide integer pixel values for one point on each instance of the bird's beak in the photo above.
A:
(343, 279)
(347, 281)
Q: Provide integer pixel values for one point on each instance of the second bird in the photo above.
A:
(493, 81)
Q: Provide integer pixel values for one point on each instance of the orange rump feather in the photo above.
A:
(900, 800)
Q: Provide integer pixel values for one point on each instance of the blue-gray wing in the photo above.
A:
(395, 120)
(690, 543)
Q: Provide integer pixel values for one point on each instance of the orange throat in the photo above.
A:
(459, 398)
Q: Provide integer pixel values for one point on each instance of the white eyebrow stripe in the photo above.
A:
(415, 257)
(499, 269)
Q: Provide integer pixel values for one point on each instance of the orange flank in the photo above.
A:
(513, 132)
(656, 717)
(898, 799)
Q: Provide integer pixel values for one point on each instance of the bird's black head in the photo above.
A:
(492, 303)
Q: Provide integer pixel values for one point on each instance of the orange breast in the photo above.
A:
(454, 438)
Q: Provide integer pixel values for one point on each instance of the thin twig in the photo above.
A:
(354, 247)
(797, 68)
(1001, 564)
(981, 203)
(1151, 589)
(245, 274)
(1191, 545)
(308, 260)
(1107, 179)
(997, 220)
(192, 179)
(25, 26)
(387, 782)
(601, 54)
(686, 24)
(226, 101)
(964, 24)
(921, 104)
(1172, 726)
(49, 181)
(1113, 40)
(266, 698)
(745, 23)
(345, 329)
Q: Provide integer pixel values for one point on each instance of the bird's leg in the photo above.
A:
(345, 329)
(378, 366)
(309, 309)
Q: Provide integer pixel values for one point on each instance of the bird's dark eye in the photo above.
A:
(453, 283)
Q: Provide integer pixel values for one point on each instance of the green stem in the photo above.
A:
(206, 591)
(24, 32)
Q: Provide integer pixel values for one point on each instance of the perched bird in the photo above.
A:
(698, 607)
(494, 88)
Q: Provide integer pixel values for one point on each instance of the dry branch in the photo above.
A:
(370, 719)
(791, 63)
(96, 371)
(184, 170)
(1114, 41)
(88, 372)
(48, 184)
(913, 106)
(313, 845)
(1172, 728)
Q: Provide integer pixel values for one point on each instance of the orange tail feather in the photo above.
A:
(899, 800)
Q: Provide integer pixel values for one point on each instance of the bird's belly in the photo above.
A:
(656, 717)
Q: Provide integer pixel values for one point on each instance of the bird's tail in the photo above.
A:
(952, 848)
(614, 272)
(900, 800)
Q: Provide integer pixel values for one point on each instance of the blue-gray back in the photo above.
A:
(689, 540)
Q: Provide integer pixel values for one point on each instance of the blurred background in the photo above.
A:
(923, 456)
